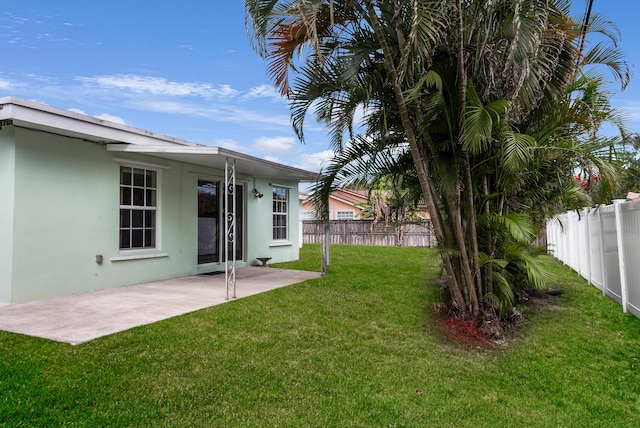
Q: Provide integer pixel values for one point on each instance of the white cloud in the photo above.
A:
(158, 86)
(263, 91)
(631, 110)
(16, 19)
(230, 144)
(314, 161)
(274, 144)
(41, 79)
(274, 159)
(102, 116)
(216, 112)
(5, 84)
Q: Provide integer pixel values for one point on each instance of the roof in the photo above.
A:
(123, 138)
(350, 196)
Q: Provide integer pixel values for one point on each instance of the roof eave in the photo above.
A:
(209, 156)
(41, 117)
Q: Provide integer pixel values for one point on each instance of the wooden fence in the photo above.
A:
(365, 232)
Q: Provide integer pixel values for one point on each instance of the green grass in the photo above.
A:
(356, 348)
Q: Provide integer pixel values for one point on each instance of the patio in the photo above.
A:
(87, 316)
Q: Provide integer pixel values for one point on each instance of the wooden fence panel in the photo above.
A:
(365, 232)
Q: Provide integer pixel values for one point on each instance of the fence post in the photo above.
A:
(570, 240)
(588, 236)
(602, 251)
(617, 204)
(565, 238)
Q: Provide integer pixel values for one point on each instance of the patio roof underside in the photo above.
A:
(216, 157)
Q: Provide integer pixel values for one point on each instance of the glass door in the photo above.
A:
(208, 221)
(211, 222)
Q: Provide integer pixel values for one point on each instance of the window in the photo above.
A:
(138, 208)
(280, 212)
(344, 215)
(308, 215)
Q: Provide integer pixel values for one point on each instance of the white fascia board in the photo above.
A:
(187, 150)
(41, 117)
(214, 157)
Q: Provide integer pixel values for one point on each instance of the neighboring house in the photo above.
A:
(344, 204)
(348, 204)
(87, 204)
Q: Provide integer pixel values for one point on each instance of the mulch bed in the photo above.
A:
(488, 332)
(464, 332)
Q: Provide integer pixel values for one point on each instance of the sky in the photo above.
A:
(187, 69)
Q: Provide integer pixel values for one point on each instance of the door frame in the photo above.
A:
(240, 226)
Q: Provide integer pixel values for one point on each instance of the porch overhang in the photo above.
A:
(215, 157)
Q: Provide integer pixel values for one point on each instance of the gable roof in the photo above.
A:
(123, 138)
(349, 196)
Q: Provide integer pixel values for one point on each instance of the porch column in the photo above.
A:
(230, 226)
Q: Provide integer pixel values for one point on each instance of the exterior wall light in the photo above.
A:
(257, 194)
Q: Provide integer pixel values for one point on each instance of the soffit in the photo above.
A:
(215, 157)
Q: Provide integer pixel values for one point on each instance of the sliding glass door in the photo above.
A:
(211, 221)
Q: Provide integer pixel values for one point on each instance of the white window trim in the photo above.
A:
(338, 212)
(140, 163)
(284, 186)
(138, 256)
(281, 243)
(285, 241)
(149, 252)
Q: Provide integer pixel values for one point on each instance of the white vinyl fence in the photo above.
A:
(602, 245)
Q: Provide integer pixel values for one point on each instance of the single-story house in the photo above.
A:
(350, 204)
(344, 204)
(87, 204)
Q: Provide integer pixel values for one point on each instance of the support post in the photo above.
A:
(326, 241)
(230, 226)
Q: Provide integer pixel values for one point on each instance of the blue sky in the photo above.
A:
(186, 69)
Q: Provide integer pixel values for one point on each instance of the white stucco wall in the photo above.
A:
(67, 211)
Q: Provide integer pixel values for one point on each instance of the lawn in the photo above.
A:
(355, 348)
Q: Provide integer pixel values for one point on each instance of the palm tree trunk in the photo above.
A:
(454, 285)
(469, 264)
(490, 251)
(458, 232)
(473, 232)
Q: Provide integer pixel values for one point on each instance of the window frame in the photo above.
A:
(280, 210)
(147, 221)
(351, 213)
(308, 215)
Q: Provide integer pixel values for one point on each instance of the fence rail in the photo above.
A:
(365, 232)
(603, 246)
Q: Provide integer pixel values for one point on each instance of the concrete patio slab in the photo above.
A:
(87, 316)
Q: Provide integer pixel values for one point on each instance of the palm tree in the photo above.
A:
(469, 92)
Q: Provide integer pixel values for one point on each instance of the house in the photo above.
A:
(87, 204)
(344, 204)
(352, 204)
